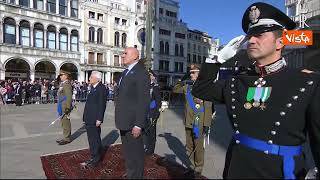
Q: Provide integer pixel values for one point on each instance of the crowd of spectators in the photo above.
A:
(43, 91)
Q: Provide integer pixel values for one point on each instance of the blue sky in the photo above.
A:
(220, 18)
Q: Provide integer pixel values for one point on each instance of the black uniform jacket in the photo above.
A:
(291, 112)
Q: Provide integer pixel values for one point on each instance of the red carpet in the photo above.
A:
(67, 165)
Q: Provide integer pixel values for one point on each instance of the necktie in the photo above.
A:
(123, 75)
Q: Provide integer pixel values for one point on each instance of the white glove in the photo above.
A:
(228, 51)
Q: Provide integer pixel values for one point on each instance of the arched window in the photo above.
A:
(9, 35)
(176, 50)
(91, 34)
(124, 40)
(167, 48)
(24, 33)
(24, 3)
(116, 39)
(100, 36)
(38, 35)
(51, 37)
(63, 39)
(181, 50)
(74, 40)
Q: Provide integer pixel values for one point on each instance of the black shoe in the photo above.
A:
(59, 140)
(197, 175)
(190, 173)
(64, 141)
(90, 164)
(124, 175)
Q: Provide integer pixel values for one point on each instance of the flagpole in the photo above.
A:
(149, 20)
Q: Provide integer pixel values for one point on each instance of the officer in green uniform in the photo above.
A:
(65, 106)
(198, 118)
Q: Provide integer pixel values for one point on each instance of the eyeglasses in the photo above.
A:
(193, 72)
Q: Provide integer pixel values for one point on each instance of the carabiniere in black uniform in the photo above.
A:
(272, 108)
(284, 118)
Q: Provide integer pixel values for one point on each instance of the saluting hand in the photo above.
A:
(136, 132)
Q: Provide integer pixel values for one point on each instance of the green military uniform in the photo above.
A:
(65, 90)
(197, 158)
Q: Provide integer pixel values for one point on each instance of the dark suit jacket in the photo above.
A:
(95, 105)
(132, 99)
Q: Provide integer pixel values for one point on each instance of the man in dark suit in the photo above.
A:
(18, 94)
(93, 117)
(131, 109)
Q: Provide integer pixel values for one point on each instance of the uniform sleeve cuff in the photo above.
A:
(137, 127)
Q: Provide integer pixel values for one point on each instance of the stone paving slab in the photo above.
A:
(25, 137)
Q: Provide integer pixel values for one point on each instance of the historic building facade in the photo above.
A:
(170, 42)
(38, 38)
(107, 28)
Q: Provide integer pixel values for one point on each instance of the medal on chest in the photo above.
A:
(257, 96)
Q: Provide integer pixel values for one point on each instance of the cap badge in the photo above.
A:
(254, 14)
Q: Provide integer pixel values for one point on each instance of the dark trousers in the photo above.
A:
(133, 154)
(150, 137)
(18, 100)
(94, 140)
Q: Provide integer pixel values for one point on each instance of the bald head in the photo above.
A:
(130, 56)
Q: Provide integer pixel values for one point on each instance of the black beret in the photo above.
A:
(261, 17)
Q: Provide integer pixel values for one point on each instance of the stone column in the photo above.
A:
(45, 5)
(44, 38)
(2, 73)
(57, 38)
(69, 41)
(17, 34)
(31, 4)
(57, 6)
(1, 32)
(32, 72)
(108, 77)
(69, 8)
(57, 72)
(82, 76)
(112, 74)
(31, 36)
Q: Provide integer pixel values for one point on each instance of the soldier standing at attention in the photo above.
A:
(65, 106)
(153, 115)
(198, 118)
(271, 107)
